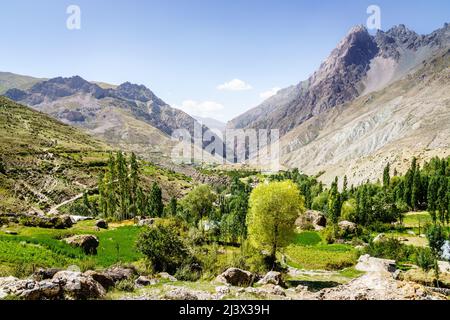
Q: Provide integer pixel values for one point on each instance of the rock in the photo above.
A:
(236, 277)
(119, 273)
(78, 286)
(313, 218)
(347, 226)
(397, 274)
(12, 233)
(166, 276)
(29, 289)
(145, 281)
(102, 224)
(146, 222)
(273, 290)
(367, 263)
(301, 288)
(180, 294)
(103, 278)
(87, 242)
(44, 274)
(272, 277)
(379, 238)
(444, 266)
(223, 290)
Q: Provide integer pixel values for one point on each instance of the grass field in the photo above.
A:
(309, 252)
(36, 247)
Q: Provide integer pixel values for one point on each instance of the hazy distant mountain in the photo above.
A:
(360, 64)
(10, 80)
(129, 116)
(211, 123)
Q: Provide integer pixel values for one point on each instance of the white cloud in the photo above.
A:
(269, 93)
(235, 85)
(202, 109)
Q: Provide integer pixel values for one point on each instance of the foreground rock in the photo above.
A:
(236, 277)
(87, 242)
(29, 289)
(272, 277)
(78, 286)
(347, 226)
(146, 222)
(367, 263)
(311, 218)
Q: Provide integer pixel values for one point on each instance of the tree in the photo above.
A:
(164, 249)
(198, 204)
(155, 204)
(334, 203)
(134, 185)
(172, 207)
(274, 207)
(122, 177)
(386, 176)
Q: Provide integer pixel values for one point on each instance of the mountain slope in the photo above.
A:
(409, 118)
(44, 162)
(128, 116)
(360, 64)
(10, 80)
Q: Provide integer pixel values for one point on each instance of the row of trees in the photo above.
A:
(122, 194)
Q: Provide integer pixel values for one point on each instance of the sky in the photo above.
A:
(211, 58)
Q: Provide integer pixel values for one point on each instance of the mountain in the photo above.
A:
(10, 80)
(44, 162)
(211, 123)
(127, 116)
(409, 118)
(360, 64)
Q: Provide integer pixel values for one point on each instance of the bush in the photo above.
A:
(164, 249)
(424, 259)
(126, 285)
(189, 272)
(390, 249)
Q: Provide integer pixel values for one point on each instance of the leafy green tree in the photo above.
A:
(163, 248)
(134, 185)
(111, 181)
(155, 203)
(334, 203)
(348, 211)
(172, 207)
(274, 207)
(198, 204)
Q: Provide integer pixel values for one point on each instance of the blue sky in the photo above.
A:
(184, 50)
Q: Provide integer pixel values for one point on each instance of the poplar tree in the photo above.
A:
(155, 204)
(386, 176)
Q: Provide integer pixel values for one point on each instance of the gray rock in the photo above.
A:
(145, 281)
(87, 242)
(166, 276)
(347, 226)
(78, 286)
(236, 277)
(103, 278)
(146, 222)
(180, 294)
(272, 277)
(379, 238)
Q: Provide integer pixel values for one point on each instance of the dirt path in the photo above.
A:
(54, 210)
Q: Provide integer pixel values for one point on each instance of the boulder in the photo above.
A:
(44, 274)
(103, 278)
(78, 286)
(144, 281)
(29, 289)
(379, 238)
(313, 218)
(273, 290)
(42, 221)
(87, 242)
(166, 276)
(146, 222)
(223, 290)
(120, 273)
(367, 263)
(236, 277)
(347, 226)
(76, 219)
(102, 224)
(272, 277)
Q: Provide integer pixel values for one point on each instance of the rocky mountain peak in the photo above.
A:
(137, 92)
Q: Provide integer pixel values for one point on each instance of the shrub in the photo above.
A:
(188, 272)
(126, 285)
(424, 259)
(390, 249)
(163, 248)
